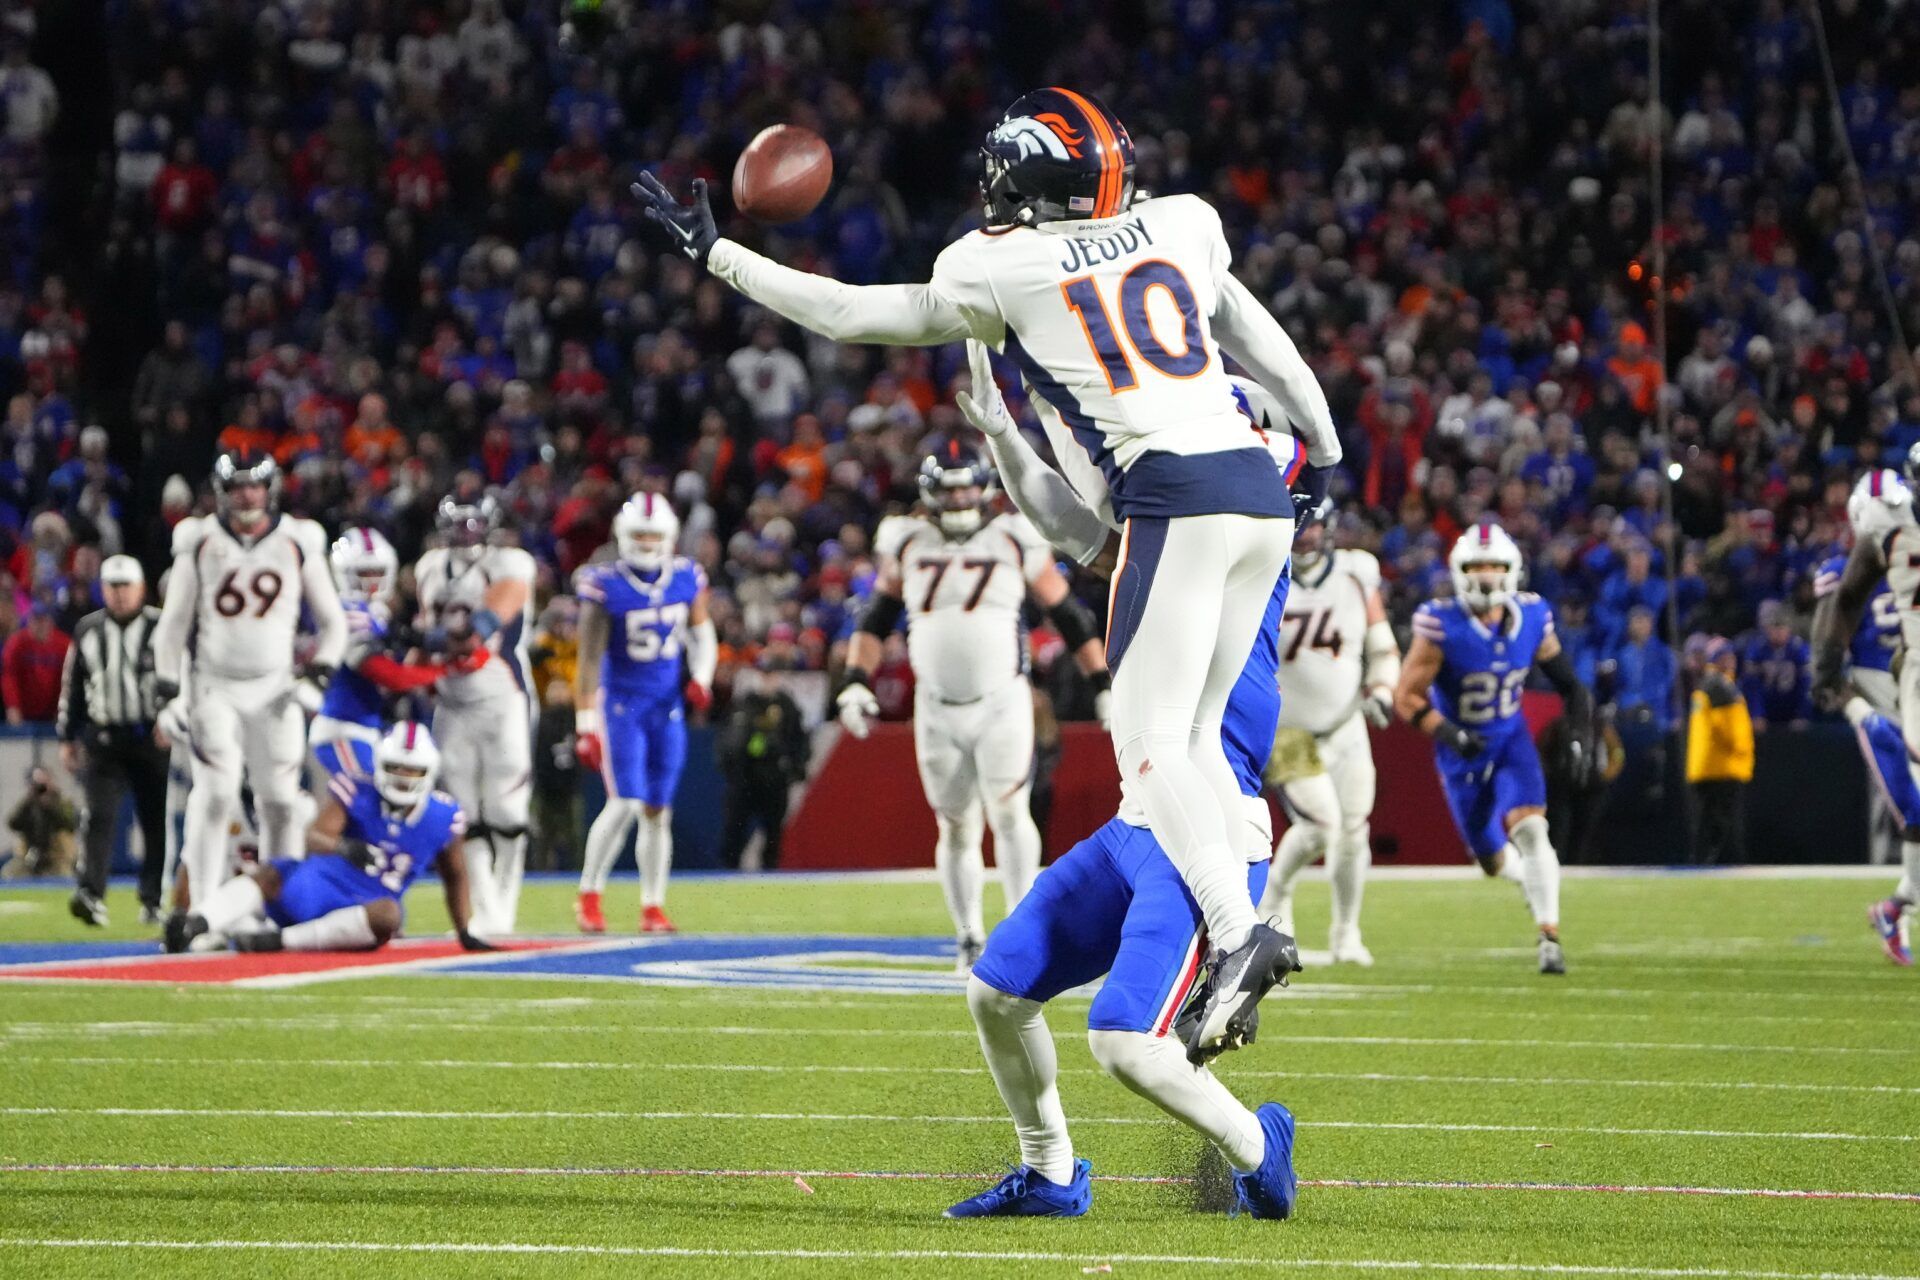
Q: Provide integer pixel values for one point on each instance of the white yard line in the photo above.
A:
(818, 1117)
(524, 1248)
(1355, 1077)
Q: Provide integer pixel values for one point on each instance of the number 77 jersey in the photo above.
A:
(1483, 671)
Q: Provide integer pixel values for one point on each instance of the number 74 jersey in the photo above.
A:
(1482, 671)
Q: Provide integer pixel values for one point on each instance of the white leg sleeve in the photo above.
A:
(231, 903)
(653, 849)
(1016, 843)
(1299, 849)
(343, 930)
(482, 896)
(1908, 889)
(1347, 865)
(1156, 1068)
(956, 855)
(1539, 869)
(1020, 1054)
(605, 839)
(275, 748)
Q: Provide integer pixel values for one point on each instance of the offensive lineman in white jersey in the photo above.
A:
(473, 597)
(226, 634)
(961, 578)
(1886, 545)
(1339, 664)
(1117, 310)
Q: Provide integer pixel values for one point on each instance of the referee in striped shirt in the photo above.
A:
(107, 736)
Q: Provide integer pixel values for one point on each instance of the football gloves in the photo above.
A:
(588, 749)
(1310, 489)
(1465, 742)
(1377, 706)
(857, 708)
(984, 407)
(689, 226)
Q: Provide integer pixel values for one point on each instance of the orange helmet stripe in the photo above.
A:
(1107, 202)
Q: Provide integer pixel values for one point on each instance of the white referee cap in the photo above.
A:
(120, 571)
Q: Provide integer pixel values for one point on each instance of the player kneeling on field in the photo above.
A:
(369, 844)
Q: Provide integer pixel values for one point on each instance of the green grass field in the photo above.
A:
(1716, 1035)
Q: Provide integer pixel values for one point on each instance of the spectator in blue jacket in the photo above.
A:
(1774, 673)
(1645, 671)
(1632, 586)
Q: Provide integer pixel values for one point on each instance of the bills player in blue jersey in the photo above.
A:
(1115, 905)
(1461, 685)
(353, 711)
(376, 835)
(638, 612)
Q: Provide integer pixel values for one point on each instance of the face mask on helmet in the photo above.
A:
(246, 487)
(1308, 546)
(404, 765)
(959, 510)
(467, 525)
(646, 549)
(1485, 585)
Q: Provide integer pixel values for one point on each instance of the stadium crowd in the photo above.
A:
(393, 246)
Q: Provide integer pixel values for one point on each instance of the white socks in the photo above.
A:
(1019, 1051)
(1347, 865)
(343, 930)
(1299, 849)
(1909, 887)
(1539, 869)
(482, 893)
(1016, 844)
(605, 838)
(234, 901)
(956, 856)
(653, 850)
(1156, 1068)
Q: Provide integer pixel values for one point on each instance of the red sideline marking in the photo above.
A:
(1343, 1184)
(233, 966)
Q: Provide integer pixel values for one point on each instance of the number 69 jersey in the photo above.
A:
(1323, 638)
(246, 595)
(1482, 672)
(647, 621)
(963, 598)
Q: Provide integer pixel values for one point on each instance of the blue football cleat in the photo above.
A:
(1886, 917)
(1024, 1193)
(1270, 1190)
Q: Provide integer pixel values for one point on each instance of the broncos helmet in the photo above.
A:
(467, 524)
(1056, 154)
(951, 467)
(244, 466)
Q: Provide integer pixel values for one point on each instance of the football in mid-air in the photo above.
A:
(783, 174)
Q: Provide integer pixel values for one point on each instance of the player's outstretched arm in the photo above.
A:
(328, 826)
(1248, 332)
(1837, 617)
(703, 652)
(452, 868)
(1417, 675)
(1382, 663)
(896, 314)
(855, 704)
(323, 602)
(1043, 495)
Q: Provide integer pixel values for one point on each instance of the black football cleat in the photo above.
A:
(181, 930)
(1225, 1014)
(259, 940)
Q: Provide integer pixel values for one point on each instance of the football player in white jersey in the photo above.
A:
(1339, 664)
(477, 597)
(960, 576)
(1886, 546)
(239, 581)
(1118, 310)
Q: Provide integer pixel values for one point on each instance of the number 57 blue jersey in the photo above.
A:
(1483, 674)
(642, 707)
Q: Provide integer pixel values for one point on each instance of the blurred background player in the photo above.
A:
(1078, 281)
(376, 835)
(637, 614)
(476, 609)
(1114, 906)
(1339, 664)
(1461, 685)
(1879, 501)
(1892, 557)
(239, 583)
(960, 576)
(353, 713)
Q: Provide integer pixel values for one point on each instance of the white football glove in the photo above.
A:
(1377, 706)
(857, 708)
(1103, 709)
(984, 408)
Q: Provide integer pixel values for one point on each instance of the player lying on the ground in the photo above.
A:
(1461, 685)
(354, 710)
(241, 579)
(637, 614)
(1891, 553)
(475, 595)
(960, 577)
(372, 840)
(1120, 312)
(1115, 905)
(1338, 666)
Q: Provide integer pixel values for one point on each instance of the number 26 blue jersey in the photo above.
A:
(647, 620)
(1483, 672)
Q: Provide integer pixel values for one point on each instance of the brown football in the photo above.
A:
(782, 175)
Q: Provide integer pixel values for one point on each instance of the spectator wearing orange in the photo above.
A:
(805, 460)
(248, 430)
(1638, 373)
(372, 440)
